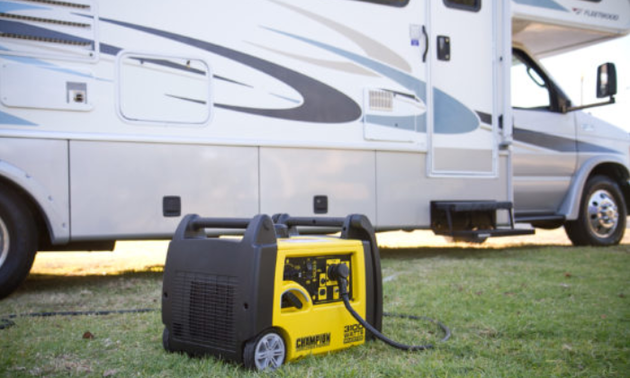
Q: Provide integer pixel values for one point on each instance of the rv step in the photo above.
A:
(459, 206)
(472, 219)
(483, 234)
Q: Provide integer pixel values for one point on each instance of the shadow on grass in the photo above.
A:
(464, 252)
(52, 282)
(48, 283)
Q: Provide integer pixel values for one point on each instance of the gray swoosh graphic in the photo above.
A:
(337, 66)
(322, 103)
(372, 48)
(557, 143)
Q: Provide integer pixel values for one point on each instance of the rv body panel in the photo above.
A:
(296, 100)
(39, 167)
(381, 109)
(405, 195)
(292, 178)
(118, 189)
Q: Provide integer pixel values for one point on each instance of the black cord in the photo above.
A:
(6, 322)
(343, 290)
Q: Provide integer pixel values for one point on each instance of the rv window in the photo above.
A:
(529, 89)
(163, 89)
(395, 3)
(469, 5)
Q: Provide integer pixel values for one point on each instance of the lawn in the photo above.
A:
(528, 308)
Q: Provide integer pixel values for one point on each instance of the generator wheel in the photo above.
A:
(602, 217)
(166, 340)
(18, 240)
(265, 352)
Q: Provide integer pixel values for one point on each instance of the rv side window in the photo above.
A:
(529, 89)
(469, 5)
(395, 3)
(163, 89)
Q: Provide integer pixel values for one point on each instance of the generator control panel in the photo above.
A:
(311, 272)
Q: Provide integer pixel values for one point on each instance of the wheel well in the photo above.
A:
(619, 174)
(44, 238)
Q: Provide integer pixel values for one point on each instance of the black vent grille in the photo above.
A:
(203, 310)
(56, 29)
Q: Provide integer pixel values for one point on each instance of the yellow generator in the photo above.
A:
(271, 296)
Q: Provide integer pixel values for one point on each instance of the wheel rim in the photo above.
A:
(603, 215)
(269, 353)
(4, 242)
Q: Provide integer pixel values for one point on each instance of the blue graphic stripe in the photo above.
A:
(412, 123)
(44, 65)
(7, 7)
(410, 82)
(451, 116)
(549, 4)
(8, 119)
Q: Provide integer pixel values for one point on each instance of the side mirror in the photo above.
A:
(606, 80)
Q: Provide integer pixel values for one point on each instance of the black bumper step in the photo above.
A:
(472, 219)
(483, 234)
(460, 206)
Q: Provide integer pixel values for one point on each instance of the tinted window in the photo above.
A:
(469, 5)
(529, 89)
(395, 3)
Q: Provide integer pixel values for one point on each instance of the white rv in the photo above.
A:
(118, 117)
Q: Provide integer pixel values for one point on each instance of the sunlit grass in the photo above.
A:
(531, 307)
(140, 255)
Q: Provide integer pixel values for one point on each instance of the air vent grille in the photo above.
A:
(203, 309)
(44, 20)
(56, 29)
(61, 3)
(381, 100)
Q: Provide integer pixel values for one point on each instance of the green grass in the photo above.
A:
(516, 312)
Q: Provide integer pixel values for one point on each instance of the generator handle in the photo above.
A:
(199, 223)
(312, 222)
(258, 230)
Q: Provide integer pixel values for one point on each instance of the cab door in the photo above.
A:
(545, 145)
(461, 127)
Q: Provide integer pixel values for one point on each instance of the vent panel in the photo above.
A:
(203, 310)
(381, 100)
(47, 28)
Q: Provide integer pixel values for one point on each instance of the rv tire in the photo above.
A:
(18, 240)
(602, 214)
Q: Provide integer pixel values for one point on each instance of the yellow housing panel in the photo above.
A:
(319, 326)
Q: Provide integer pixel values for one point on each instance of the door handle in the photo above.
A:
(426, 44)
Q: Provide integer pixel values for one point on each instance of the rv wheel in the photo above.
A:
(266, 352)
(602, 218)
(18, 240)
